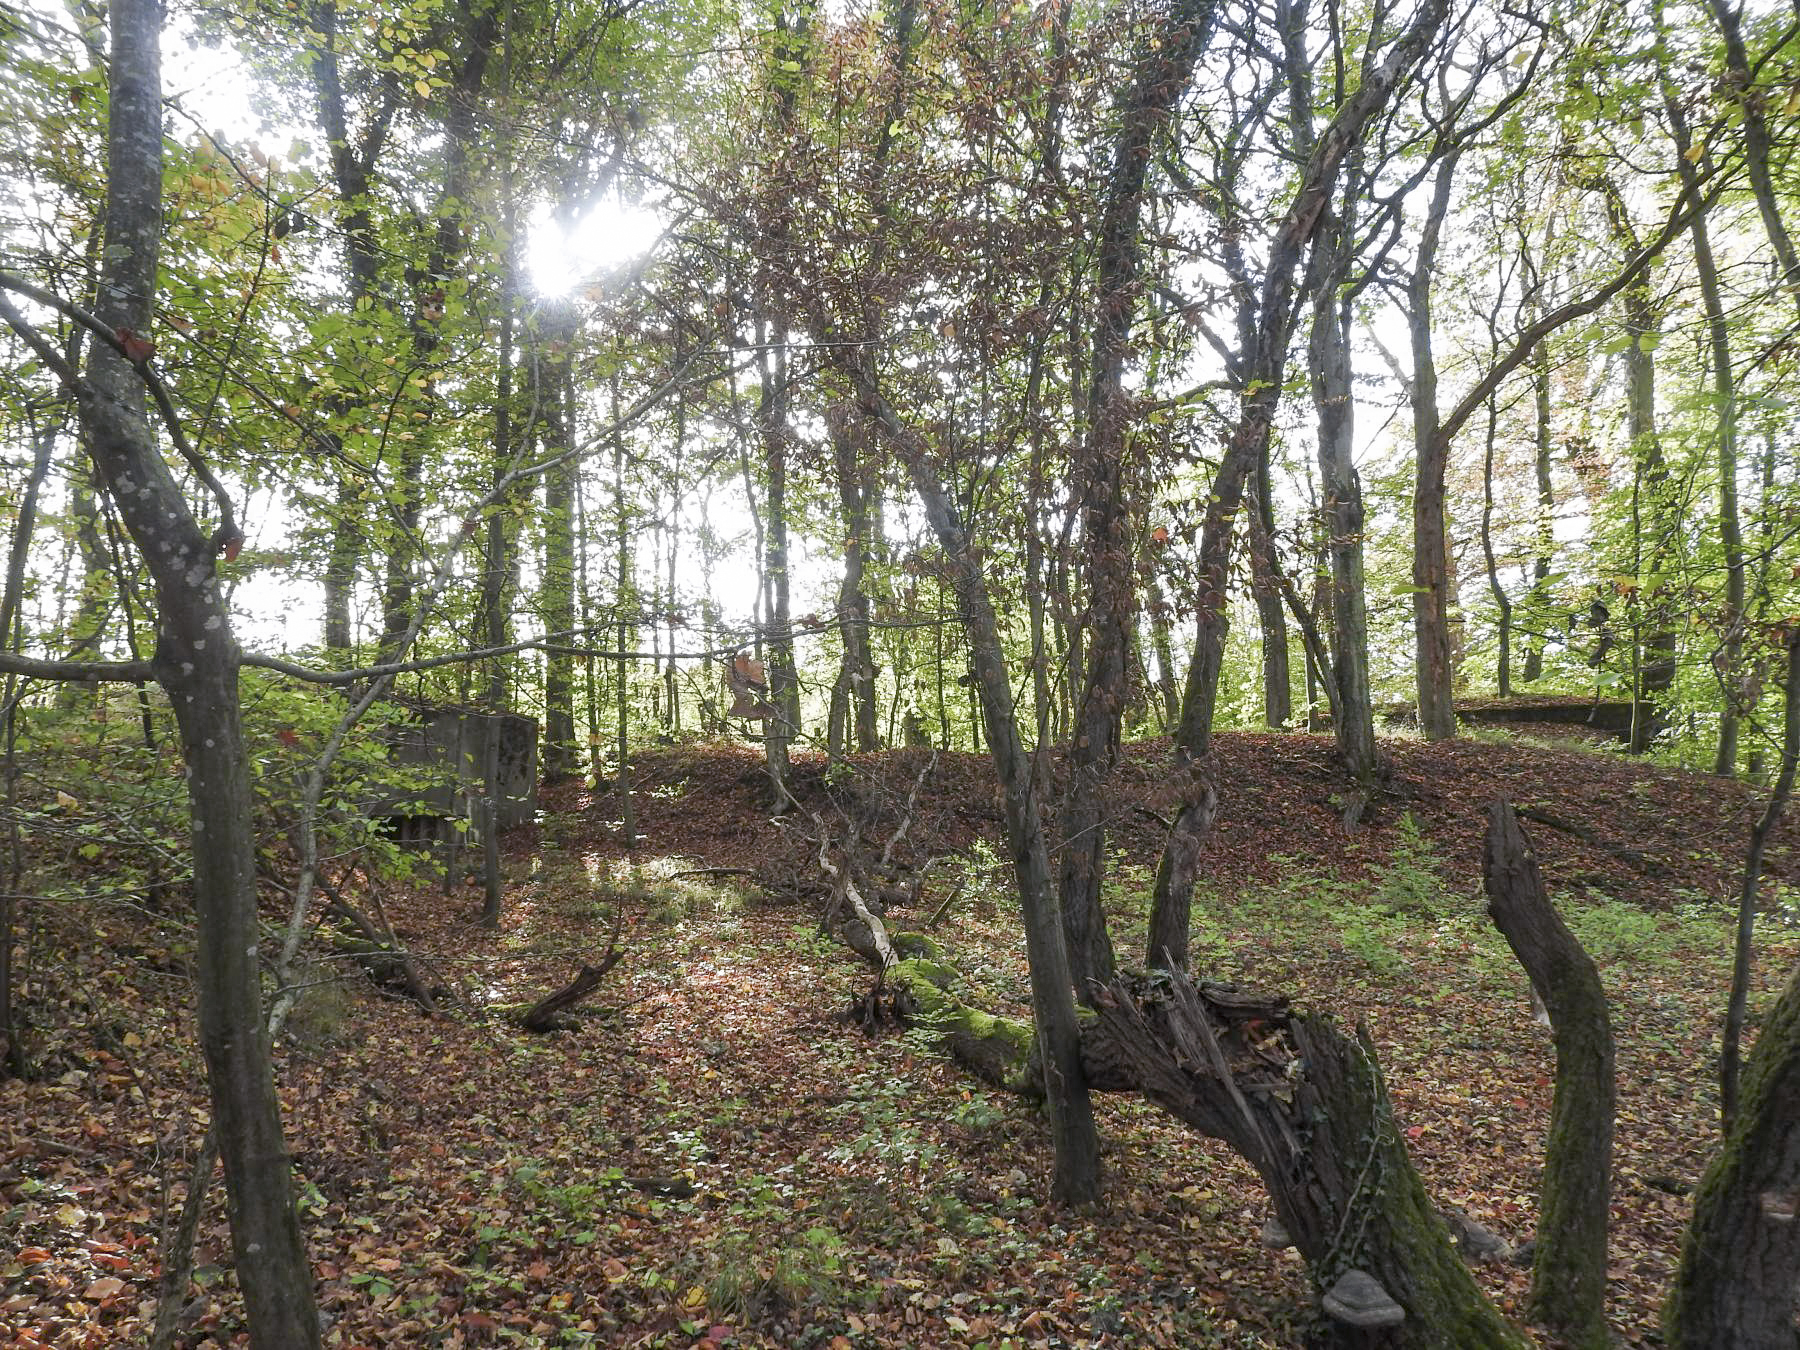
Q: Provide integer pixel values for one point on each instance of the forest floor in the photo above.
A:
(715, 1156)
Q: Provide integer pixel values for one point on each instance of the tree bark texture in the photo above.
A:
(853, 599)
(1432, 599)
(1740, 1258)
(1568, 1278)
(196, 662)
(1749, 892)
(1353, 712)
(1106, 476)
(1306, 1106)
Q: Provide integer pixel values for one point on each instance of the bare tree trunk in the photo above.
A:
(1106, 479)
(1432, 599)
(354, 153)
(1718, 331)
(1546, 509)
(858, 676)
(1502, 601)
(1169, 917)
(1076, 1142)
(196, 662)
(1278, 694)
(625, 619)
(1328, 356)
(1568, 1278)
(556, 594)
(479, 32)
(1740, 1257)
(1749, 891)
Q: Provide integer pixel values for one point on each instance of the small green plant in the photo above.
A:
(746, 1280)
(1410, 883)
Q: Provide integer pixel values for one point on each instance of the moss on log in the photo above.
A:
(1740, 1259)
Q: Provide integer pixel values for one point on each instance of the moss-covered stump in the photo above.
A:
(1740, 1260)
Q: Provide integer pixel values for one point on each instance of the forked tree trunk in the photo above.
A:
(1106, 477)
(1170, 920)
(1568, 1278)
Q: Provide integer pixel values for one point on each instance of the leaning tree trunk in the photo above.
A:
(1170, 918)
(196, 662)
(1568, 1279)
(1075, 1139)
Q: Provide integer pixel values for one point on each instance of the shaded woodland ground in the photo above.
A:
(716, 1154)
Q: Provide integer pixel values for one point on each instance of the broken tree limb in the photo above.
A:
(1592, 838)
(1303, 1102)
(1568, 1277)
(547, 1013)
(372, 941)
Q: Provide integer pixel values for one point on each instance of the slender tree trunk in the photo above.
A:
(1170, 918)
(1076, 1142)
(1718, 331)
(196, 662)
(625, 616)
(1546, 509)
(480, 29)
(778, 648)
(556, 595)
(1502, 601)
(1328, 358)
(1568, 1278)
(354, 155)
(1749, 893)
(1432, 599)
(1106, 477)
(1162, 642)
(12, 1049)
(498, 557)
(1737, 83)
(1278, 694)
(858, 676)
